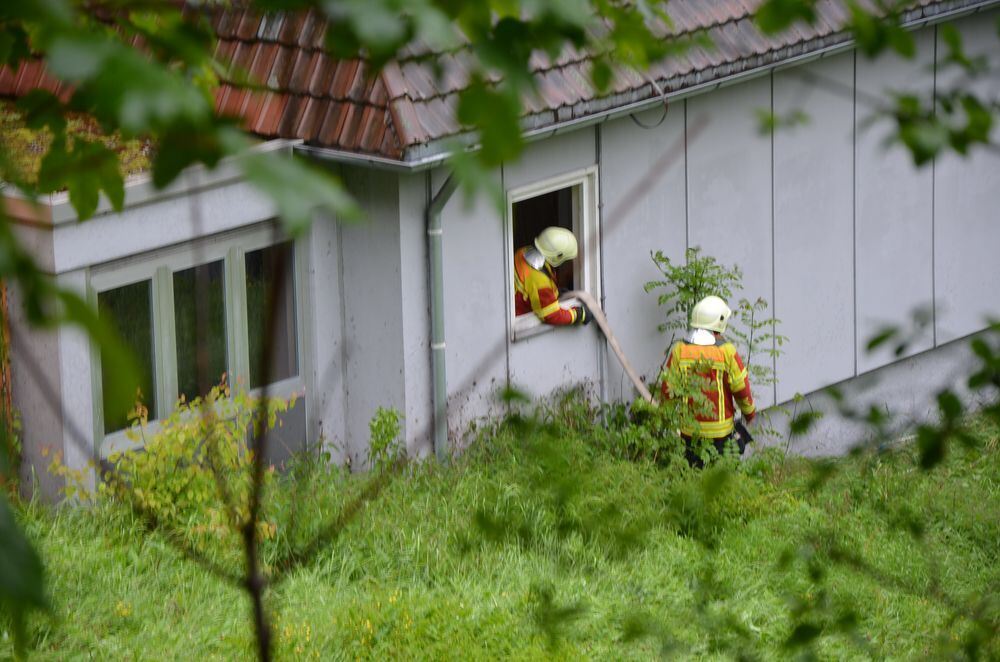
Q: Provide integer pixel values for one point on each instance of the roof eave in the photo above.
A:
(541, 125)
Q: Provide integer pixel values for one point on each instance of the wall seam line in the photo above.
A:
(934, 341)
(687, 191)
(854, 206)
(602, 344)
(341, 293)
(774, 290)
(508, 275)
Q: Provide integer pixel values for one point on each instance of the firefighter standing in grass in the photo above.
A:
(535, 286)
(715, 360)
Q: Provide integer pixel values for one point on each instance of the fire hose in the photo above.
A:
(602, 322)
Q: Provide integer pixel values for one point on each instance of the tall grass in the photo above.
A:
(547, 545)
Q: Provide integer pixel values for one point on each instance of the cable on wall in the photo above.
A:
(666, 107)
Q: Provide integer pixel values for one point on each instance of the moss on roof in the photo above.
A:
(26, 147)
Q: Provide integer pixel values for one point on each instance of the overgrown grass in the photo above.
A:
(549, 548)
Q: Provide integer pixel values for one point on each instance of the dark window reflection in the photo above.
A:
(209, 336)
(263, 267)
(129, 309)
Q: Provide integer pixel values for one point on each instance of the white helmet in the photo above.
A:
(557, 245)
(710, 313)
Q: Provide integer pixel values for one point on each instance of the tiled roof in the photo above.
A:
(405, 110)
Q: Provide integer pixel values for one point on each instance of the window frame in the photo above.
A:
(586, 227)
(159, 267)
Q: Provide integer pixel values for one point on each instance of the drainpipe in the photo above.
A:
(435, 259)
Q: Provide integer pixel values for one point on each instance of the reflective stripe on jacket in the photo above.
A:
(536, 291)
(725, 378)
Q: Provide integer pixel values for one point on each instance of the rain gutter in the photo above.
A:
(435, 267)
(435, 153)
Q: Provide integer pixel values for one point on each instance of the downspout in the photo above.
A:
(435, 266)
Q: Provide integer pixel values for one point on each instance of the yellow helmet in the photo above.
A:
(710, 313)
(557, 245)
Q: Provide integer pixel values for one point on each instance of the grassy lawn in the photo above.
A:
(520, 550)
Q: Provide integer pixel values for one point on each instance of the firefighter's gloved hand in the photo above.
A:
(749, 417)
(583, 315)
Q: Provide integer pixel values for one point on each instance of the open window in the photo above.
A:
(568, 201)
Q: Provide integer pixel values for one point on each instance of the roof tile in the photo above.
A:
(414, 101)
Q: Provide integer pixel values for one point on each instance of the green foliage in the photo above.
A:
(384, 445)
(22, 586)
(774, 16)
(193, 473)
(683, 285)
(686, 284)
(728, 563)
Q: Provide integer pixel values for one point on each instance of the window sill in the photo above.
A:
(528, 325)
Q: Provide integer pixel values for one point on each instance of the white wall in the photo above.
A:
(814, 227)
(475, 306)
(640, 216)
(966, 213)
(729, 190)
(323, 315)
(372, 308)
(894, 207)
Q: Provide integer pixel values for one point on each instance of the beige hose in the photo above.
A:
(602, 322)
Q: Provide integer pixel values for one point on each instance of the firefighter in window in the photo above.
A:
(535, 286)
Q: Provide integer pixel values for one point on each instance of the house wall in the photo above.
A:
(153, 225)
(840, 233)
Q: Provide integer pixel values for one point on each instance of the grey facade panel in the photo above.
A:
(814, 227)
(729, 189)
(894, 210)
(475, 292)
(324, 319)
(640, 216)
(966, 213)
(417, 415)
(372, 308)
(35, 354)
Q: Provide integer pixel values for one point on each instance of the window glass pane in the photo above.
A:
(532, 215)
(263, 267)
(208, 279)
(129, 309)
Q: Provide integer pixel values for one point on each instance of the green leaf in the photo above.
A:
(22, 577)
(84, 172)
(882, 337)
(950, 406)
(298, 190)
(803, 422)
(601, 75)
(41, 108)
(803, 634)
(75, 57)
(13, 45)
(902, 41)
(116, 358)
(776, 15)
(931, 445)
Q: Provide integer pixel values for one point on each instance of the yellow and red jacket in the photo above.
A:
(535, 290)
(726, 379)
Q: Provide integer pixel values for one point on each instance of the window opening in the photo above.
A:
(211, 280)
(129, 309)
(532, 215)
(262, 268)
